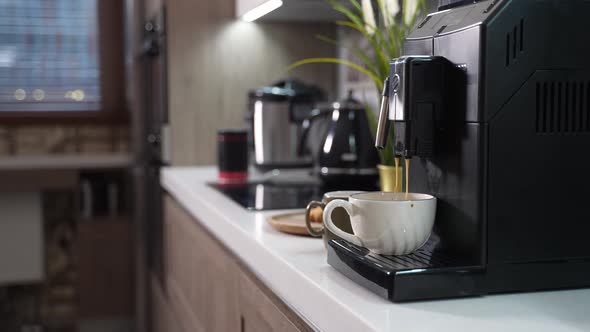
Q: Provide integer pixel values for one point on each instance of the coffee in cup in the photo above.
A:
(386, 223)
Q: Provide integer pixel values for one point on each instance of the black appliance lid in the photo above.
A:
(447, 4)
(232, 131)
(288, 90)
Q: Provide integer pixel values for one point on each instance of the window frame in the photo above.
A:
(112, 78)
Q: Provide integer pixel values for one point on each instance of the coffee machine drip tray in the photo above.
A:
(428, 273)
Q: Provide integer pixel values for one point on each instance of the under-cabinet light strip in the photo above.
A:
(261, 10)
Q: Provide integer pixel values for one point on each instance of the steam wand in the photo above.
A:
(383, 123)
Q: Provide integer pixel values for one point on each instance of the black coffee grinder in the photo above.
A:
(492, 102)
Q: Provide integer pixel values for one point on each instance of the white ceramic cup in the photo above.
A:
(342, 221)
(386, 223)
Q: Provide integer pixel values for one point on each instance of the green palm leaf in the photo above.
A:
(347, 63)
(363, 56)
(386, 43)
(380, 58)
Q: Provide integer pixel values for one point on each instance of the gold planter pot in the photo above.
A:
(387, 177)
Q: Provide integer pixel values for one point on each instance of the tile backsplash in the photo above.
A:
(55, 139)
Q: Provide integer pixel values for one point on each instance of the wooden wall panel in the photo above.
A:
(214, 59)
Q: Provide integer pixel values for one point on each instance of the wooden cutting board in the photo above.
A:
(292, 223)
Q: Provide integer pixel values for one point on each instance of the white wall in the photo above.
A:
(21, 238)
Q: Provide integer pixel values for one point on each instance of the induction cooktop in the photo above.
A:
(278, 196)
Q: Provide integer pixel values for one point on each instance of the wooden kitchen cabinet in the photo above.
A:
(262, 311)
(200, 275)
(163, 318)
(207, 288)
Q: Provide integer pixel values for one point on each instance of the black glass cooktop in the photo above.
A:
(277, 196)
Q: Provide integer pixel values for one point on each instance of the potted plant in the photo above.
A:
(384, 24)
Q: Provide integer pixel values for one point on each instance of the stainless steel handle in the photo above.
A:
(383, 123)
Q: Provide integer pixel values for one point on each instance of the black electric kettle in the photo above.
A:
(346, 154)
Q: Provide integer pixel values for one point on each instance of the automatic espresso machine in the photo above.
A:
(491, 102)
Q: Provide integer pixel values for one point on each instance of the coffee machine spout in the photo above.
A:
(383, 124)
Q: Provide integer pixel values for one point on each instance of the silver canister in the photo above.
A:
(277, 113)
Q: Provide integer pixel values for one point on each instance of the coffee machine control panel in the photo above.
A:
(397, 88)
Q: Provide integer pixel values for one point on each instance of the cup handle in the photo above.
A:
(308, 209)
(328, 223)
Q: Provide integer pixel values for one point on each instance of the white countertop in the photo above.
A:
(295, 269)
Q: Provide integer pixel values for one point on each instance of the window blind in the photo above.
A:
(49, 55)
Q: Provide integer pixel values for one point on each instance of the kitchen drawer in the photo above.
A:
(263, 311)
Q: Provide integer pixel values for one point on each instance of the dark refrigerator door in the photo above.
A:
(156, 119)
(156, 86)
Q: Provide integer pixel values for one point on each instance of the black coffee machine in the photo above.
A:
(492, 103)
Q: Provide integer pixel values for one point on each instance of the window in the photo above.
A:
(55, 59)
